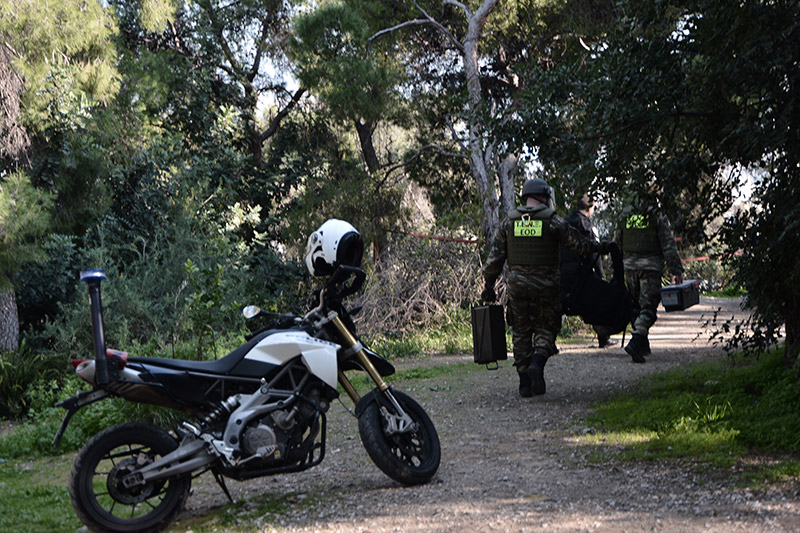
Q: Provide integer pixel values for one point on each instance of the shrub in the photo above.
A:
(416, 284)
(41, 286)
(18, 372)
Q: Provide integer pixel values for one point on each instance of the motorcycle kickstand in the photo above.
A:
(221, 482)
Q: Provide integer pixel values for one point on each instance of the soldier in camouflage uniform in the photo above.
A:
(528, 239)
(646, 241)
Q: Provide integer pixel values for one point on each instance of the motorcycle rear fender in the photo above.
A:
(318, 355)
(73, 405)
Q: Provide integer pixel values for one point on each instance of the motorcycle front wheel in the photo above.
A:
(412, 458)
(101, 500)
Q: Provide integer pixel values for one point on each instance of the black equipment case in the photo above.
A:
(681, 296)
(489, 334)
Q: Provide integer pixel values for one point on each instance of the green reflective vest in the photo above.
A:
(640, 235)
(531, 240)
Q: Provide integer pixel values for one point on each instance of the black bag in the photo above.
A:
(488, 335)
(597, 301)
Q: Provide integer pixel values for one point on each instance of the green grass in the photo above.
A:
(452, 337)
(364, 384)
(730, 291)
(35, 497)
(711, 413)
(242, 515)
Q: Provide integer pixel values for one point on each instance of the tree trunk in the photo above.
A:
(9, 321)
(506, 169)
(365, 130)
(792, 353)
(481, 154)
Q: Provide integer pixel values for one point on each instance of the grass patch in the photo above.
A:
(730, 291)
(709, 413)
(249, 515)
(35, 498)
(454, 336)
(363, 383)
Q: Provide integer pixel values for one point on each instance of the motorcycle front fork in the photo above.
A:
(396, 423)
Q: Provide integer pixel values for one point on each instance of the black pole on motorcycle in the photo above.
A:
(93, 278)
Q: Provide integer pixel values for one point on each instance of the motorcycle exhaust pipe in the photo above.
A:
(93, 278)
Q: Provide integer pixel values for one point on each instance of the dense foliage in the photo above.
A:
(690, 102)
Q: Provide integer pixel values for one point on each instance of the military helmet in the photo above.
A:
(536, 187)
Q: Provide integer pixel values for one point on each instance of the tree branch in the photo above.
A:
(276, 121)
(416, 156)
(415, 22)
(459, 5)
(259, 51)
(441, 28)
(455, 135)
(226, 50)
(388, 173)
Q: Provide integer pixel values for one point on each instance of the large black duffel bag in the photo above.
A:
(597, 301)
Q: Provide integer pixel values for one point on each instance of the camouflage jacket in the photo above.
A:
(536, 276)
(669, 251)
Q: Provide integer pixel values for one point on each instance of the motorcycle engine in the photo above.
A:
(267, 438)
(260, 440)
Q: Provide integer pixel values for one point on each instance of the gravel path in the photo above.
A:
(513, 464)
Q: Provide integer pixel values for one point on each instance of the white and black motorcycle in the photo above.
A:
(256, 412)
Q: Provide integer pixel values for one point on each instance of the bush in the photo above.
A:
(34, 436)
(41, 286)
(19, 371)
(416, 284)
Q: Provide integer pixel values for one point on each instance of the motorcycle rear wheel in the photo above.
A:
(96, 490)
(410, 458)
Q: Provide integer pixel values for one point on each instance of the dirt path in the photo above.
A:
(512, 464)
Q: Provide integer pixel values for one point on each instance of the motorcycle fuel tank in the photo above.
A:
(319, 356)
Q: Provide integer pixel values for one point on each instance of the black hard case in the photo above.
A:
(488, 334)
(681, 296)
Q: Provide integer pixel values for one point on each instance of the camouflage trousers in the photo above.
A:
(535, 321)
(645, 289)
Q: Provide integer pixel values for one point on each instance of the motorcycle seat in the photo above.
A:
(223, 365)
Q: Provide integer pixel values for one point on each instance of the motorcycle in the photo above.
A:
(258, 411)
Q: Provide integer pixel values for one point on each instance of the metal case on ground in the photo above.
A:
(489, 334)
(682, 296)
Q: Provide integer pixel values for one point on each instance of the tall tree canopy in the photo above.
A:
(690, 99)
(57, 61)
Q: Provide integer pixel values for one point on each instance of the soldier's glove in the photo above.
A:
(488, 295)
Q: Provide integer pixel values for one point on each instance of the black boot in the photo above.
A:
(536, 373)
(605, 341)
(525, 385)
(638, 347)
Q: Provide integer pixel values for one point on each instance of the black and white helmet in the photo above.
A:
(335, 243)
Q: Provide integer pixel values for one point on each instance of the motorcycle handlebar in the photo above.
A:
(338, 284)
